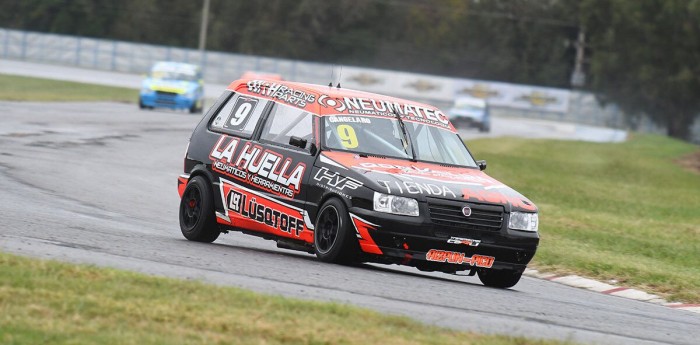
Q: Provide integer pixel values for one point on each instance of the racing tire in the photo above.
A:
(197, 220)
(141, 105)
(484, 129)
(194, 109)
(334, 237)
(499, 278)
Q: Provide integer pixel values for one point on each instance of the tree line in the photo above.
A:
(641, 54)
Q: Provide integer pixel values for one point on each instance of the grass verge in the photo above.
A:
(17, 88)
(624, 212)
(48, 302)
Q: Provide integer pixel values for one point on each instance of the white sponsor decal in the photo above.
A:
(465, 241)
(425, 173)
(335, 180)
(259, 166)
(369, 106)
(411, 187)
(281, 92)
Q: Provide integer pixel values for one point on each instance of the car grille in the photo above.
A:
(166, 94)
(449, 214)
(165, 98)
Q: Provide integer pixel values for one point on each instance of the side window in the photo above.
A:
(239, 116)
(285, 122)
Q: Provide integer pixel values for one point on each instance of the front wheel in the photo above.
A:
(196, 107)
(197, 220)
(334, 237)
(499, 278)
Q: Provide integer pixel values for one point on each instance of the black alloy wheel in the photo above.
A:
(327, 231)
(334, 235)
(197, 220)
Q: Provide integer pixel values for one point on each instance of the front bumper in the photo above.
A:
(167, 100)
(416, 241)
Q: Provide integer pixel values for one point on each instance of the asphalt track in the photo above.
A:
(96, 183)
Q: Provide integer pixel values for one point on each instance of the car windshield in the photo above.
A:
(171, 75)
(467, 105)
(383, 137)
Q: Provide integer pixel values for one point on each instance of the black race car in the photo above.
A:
(352, 177)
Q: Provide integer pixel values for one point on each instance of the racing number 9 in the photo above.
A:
(347, 135)
(241, 114)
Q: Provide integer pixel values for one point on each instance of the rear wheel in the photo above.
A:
(197, 220)
(334, 238)
(499, 278)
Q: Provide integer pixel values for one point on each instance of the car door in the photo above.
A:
(258, 174)
(282, 168)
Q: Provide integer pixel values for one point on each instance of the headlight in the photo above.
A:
(146, 89)
(395, 204)
(523, 221)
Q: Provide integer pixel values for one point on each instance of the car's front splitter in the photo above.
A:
(417, 246)
(155, 100)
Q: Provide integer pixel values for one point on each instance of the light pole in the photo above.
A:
(578, 78)
(203, 29)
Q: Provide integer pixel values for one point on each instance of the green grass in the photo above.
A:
(623, 211)
(16, 88)
(45, 302)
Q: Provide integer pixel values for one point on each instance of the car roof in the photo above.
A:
(327, 100)
(479, 102)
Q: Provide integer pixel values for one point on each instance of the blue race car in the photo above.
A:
(173, 85)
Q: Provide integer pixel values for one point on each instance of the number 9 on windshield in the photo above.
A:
(347, 135)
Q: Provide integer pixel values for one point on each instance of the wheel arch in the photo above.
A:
(201, 170)
(327, 196)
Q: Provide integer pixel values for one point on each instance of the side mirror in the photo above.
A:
(481, 164)
(313, 149)
(298, 142)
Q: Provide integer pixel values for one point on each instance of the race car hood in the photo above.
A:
(174, 86)
(420, 180)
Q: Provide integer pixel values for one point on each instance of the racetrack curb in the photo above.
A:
(608, 289)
